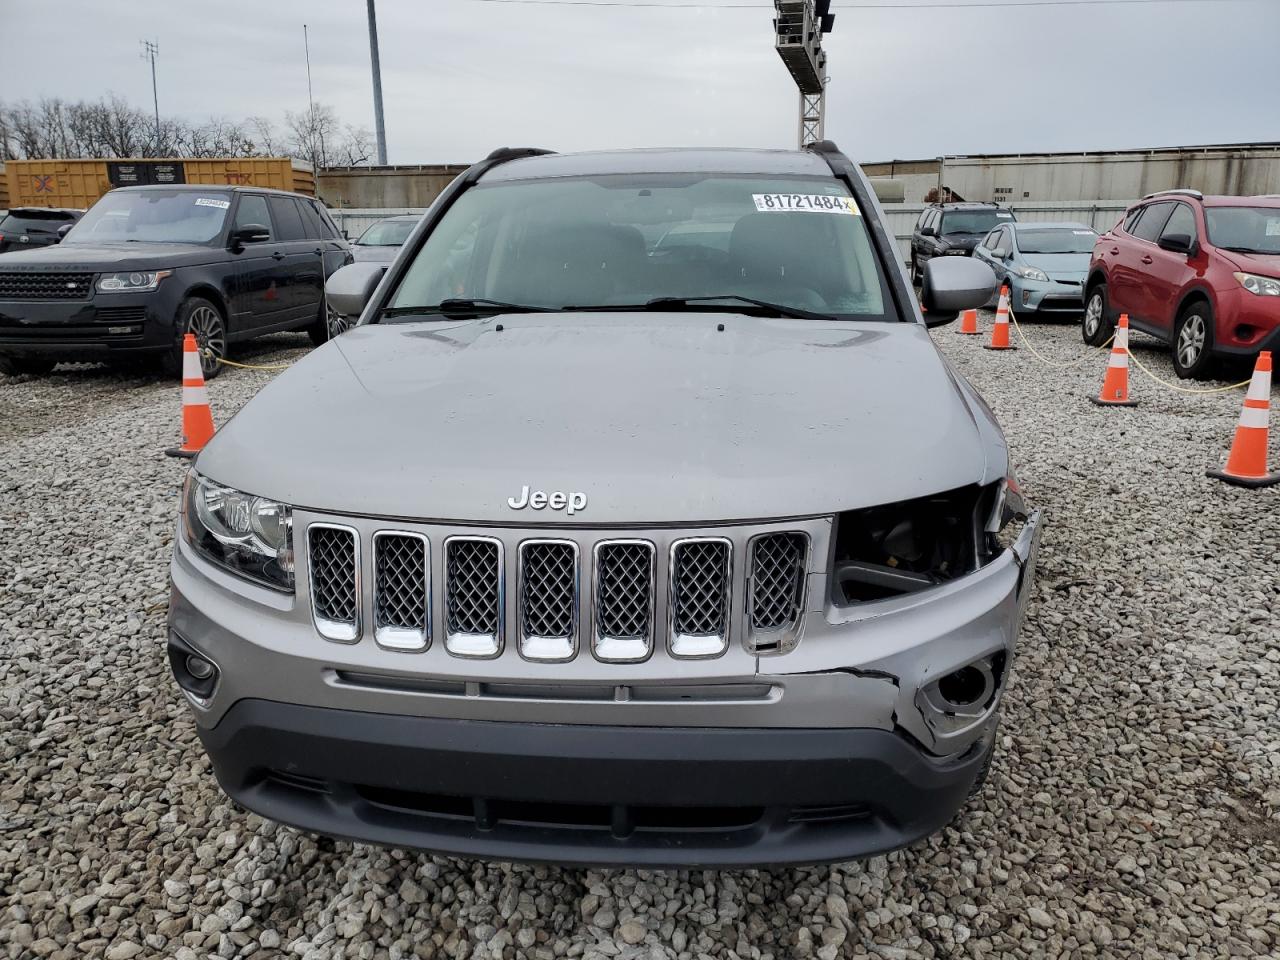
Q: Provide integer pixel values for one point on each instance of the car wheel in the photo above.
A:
(31, 366)
(331, 324)
(198, 316)
(1193, 342)
(1097, 325)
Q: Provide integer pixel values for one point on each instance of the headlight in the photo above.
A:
(1262, 286)
(250, 536)
(957, 251)
(135, 282)
(1031, 273)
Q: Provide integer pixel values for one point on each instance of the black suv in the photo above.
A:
(147, 264)
(27, 227)
(952, 230)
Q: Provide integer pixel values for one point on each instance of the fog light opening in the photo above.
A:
(199, 667)
(965, 687)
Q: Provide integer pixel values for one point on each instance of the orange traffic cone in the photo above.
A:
(1115, 385)
(197, 418)
(1247, 462)
(968, 322)
(1000, 330)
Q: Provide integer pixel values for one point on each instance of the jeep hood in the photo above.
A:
(97, 257)
(657, 418)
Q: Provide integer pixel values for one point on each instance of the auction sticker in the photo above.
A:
(210, 202)
(804, 203)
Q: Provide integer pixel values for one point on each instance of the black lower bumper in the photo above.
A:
(587, 795)
(99, 328)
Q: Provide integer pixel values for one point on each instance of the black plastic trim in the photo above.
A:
(489, 766)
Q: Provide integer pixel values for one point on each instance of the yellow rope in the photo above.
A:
(1141, 366)
(1173, 386)
(248, 366)
(1070, 363)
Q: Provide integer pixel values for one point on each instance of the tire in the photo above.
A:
(983, 772)
(1096, 325)
(328, 325)
(201, 317)
(29, 366)
(1192, 346)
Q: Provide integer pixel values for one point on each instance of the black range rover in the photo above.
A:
(147, 264)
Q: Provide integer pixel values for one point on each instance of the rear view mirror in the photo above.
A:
(1177, 242)
(952, 284)
(350, 288)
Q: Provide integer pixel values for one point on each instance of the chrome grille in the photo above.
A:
(775, 587)
(473, 596)
(623, 600)
(548, 599)
(699, 597)
(333, 556)
(45, 286)
(402, 586)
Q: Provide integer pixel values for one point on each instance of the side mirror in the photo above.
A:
(250, 233)
(1178, 243)
(63, 231)
(928, 232)
(350, 288)
(952, 284)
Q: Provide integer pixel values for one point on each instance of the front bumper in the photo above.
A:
(588, 795)
(420, 749)
(97, 328)
(1056, 296)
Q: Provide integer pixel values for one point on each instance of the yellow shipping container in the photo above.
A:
(79, 183)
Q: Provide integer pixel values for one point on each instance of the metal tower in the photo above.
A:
(798, 29)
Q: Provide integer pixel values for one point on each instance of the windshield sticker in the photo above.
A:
(210, 202)
(1273, 228)
(804, 203)
(1083, 233)
(1004, 216)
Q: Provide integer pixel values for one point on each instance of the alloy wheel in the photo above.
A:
(335, 322)
(1093, 316)
(206, 325)
(1191, 340)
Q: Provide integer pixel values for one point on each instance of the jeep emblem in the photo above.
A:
(571, 503)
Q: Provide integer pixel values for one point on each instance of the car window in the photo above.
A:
(1182, 220)
(1152, 221)
(287, 219)
(1245, 229)
(971, 221)
(1047, 240)
(599, 241)
(153, 215)
(992, 239)
(1131, 218)
(387, 233)
(331, 228)
(252, 211)
(35, 222)
(311, 220)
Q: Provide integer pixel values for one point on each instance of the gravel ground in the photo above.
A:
(1134, 809)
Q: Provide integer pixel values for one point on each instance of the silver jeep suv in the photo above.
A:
(639, 521)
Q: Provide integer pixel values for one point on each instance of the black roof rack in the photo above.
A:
(503, 154)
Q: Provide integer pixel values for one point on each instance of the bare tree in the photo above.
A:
(112, 127)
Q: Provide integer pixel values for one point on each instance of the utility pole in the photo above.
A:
(311, 104)
(379, 126)
(149, 50)
(798, 29)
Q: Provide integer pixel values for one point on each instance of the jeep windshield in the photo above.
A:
(674, 241)
(154, 216)
(972, 221)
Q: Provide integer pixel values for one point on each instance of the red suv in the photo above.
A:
(1201, 273)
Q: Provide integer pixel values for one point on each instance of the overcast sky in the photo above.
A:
(461, 77)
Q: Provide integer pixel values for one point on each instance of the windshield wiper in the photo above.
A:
(459, 307)
(1252, 250)
(763, 307)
